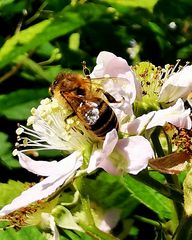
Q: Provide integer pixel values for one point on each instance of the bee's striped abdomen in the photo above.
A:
(106, 122)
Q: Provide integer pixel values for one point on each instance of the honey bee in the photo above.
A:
(88, 102)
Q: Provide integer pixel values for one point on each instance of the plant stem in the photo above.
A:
(173, 182)
(144, 177)
(96, 233)
(184, 231)
(90, 227)
(87, 210)
(157, 145)
(150, 221)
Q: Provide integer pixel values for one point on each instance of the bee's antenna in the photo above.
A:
(86, 70)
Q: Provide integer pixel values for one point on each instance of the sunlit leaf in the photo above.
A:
(32, 37)
(36, 35)
(106, 196)
(5, 2)
(17, 105)
(149, 197)
(28, 233)
(187, 187)
(10, 190)
(124, 4)
(75, 236)
(6, 157)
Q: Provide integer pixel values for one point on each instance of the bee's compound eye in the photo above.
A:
(55, 82)
(51, 91)
(80, 91)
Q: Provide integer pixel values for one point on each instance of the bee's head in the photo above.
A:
(66, 82)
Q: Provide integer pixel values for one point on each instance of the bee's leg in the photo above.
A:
(70, 116)
(110, 98)
(86, 70)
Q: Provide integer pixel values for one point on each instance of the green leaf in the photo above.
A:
(77, 235)
(66, 21)
(6, 157)
(187, 188)
(35, 67)
(106, 196)
(27, 233)
(10, 190)
(123, 5)
(37, 34)
(17, 105)
(5, 2)
(149, 197)
(11, 7)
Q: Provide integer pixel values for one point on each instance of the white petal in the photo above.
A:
(99, 155)
(106, 65)
(110, 220)
(179, 85)
(110, 141)
(177, 115)
(49, 221)
(46, 168)
(139, 124)
(137, 150)
(42, 189)
(110, 64)
(95, 159)
(109, 167)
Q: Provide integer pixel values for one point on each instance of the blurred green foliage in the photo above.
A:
(39, 38)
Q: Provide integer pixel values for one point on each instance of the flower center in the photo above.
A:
(52, 128)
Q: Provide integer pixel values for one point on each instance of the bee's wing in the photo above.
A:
(116, 86)
(118, 81)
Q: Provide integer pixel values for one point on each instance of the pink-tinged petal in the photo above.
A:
(110, 220)
(137, 151)
(46, 168)
(178, 85)
(108, 64)
(176, 115)
(95, 160)
(139, 124)
(42, 189)
(108, 166)
(110, 141)
(119, 156)
(99, 155)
